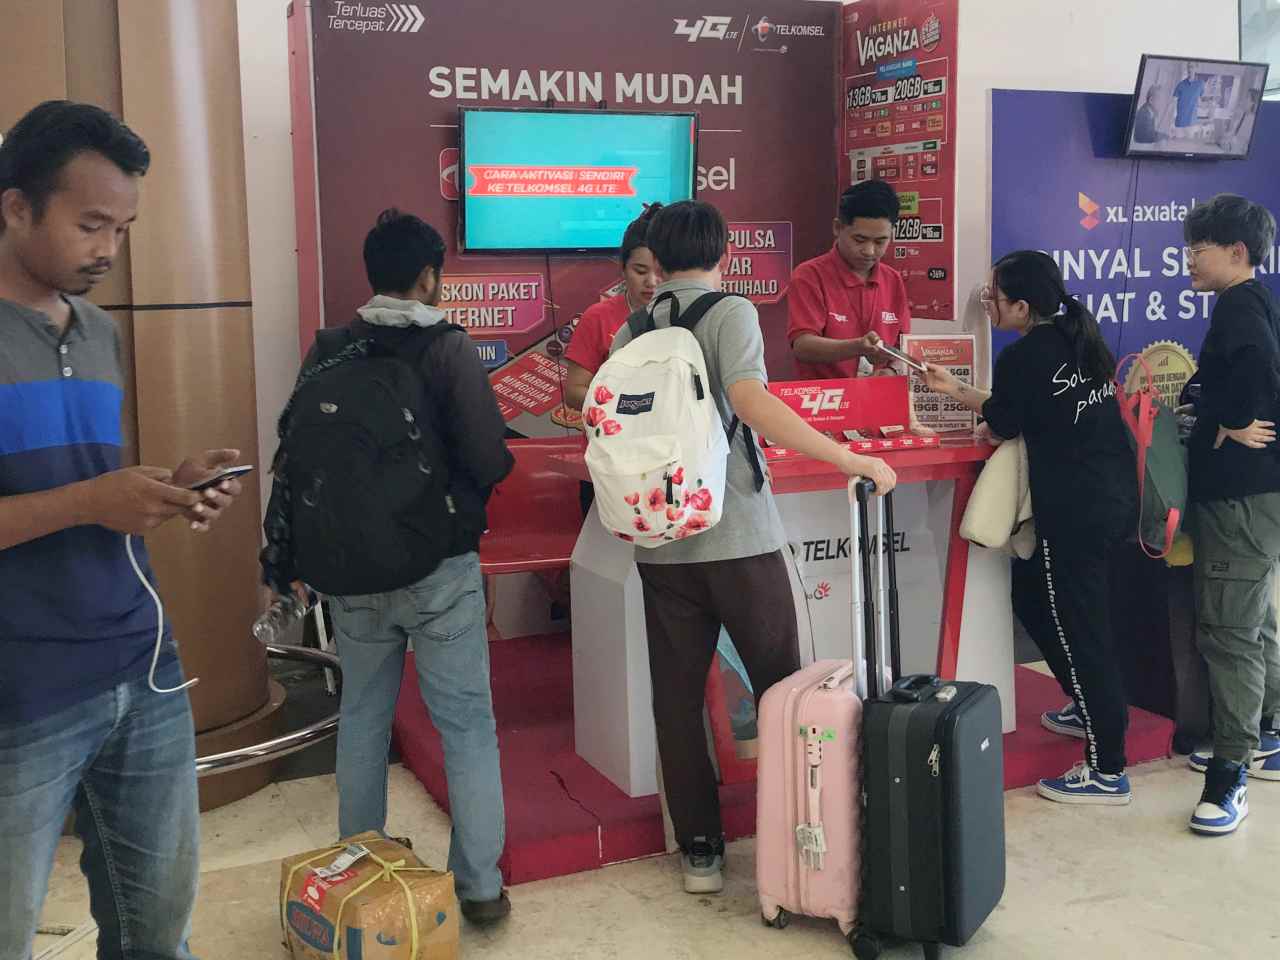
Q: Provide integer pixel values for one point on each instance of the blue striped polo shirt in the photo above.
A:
(74, 620)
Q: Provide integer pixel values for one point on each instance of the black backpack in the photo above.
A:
(362, 467)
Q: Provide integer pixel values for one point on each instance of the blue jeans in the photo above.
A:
(443, 616)
(124, 760)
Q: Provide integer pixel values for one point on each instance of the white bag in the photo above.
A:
(656, 446)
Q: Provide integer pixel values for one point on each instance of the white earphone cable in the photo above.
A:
(155, 656)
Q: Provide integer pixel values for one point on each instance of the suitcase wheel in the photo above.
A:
(778, 922)
(865, 944)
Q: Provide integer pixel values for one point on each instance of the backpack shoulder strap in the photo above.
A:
(753, 454)
(414, 347)
(642, 322)
(331, 341)
(697, 310)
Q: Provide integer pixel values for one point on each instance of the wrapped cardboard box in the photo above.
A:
(367, 898)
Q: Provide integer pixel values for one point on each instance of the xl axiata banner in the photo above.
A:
(1060, 183)
(390, 78)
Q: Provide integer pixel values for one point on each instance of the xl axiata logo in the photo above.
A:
(706, 28)
(1090, 209)
(376, 17)
(1171, 211)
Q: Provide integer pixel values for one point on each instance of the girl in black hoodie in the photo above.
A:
(1054, 388)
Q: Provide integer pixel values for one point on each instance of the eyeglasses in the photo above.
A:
(987, 297)
(1194, 252)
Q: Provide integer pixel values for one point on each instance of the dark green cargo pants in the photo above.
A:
(1237, 550)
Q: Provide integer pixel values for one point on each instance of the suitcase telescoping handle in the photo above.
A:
(875, 621)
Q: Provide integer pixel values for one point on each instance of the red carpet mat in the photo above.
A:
(563, 817)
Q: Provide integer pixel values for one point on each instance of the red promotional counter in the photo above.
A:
(613, 721)
(574, 711)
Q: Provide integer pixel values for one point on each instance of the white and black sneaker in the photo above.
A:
(702, 863)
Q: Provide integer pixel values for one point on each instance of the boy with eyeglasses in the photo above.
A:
(1234, 515)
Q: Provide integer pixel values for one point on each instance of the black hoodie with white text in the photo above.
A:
(1083, 470)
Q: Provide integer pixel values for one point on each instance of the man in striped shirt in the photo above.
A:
(93, 715)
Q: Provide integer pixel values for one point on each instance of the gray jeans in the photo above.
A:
(1237, 548)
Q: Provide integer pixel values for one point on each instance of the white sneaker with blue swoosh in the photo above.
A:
(1083, 784)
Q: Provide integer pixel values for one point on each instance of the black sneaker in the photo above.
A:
(485, 912)
(702, 863)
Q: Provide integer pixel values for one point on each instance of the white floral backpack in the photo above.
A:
(657, 449)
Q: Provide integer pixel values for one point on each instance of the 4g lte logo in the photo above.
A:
(706, 28)
(824, 401)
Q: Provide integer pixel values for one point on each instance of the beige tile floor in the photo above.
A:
(1100, 883)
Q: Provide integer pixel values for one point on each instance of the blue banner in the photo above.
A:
(493, 353)
(1060, 183)
(897, 69)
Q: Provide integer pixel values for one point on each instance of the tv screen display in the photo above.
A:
(552, 181)
(1194, 108)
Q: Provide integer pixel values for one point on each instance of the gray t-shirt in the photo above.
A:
(734, 349)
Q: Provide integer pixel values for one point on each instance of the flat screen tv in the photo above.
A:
(567, 181)
(1199, 109)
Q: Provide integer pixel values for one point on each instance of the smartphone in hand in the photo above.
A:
(230, 473)
(897, 354)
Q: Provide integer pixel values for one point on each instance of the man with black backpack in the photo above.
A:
(390, 447)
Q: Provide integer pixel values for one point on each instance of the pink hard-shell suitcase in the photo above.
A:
(809, 779)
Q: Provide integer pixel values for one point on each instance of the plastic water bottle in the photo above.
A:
(280, 616)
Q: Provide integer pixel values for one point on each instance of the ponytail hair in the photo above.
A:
(637, 233)
(1034, 277)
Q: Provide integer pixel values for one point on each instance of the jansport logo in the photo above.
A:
(1090, 209)
(706, 28)
(635, 403)
(822, 401)
(376, 17)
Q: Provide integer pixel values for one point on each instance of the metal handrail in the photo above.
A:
(284, 745)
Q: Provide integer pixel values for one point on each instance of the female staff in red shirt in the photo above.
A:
(589, 347)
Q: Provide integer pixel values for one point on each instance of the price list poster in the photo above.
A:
(899, 121)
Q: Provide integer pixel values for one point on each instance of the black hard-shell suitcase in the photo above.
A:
(933, 793)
